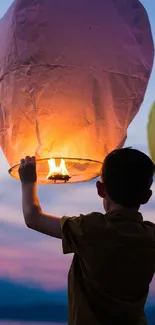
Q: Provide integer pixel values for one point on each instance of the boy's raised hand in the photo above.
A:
(34, 217)
(27, 170)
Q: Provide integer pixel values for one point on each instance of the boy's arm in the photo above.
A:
(33, 215)
(69, 229)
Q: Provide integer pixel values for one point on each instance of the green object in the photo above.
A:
(151, 132)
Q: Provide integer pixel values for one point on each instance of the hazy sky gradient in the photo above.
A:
(28, 256)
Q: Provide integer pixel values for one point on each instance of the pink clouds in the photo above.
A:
(33, 263)
(152, 287)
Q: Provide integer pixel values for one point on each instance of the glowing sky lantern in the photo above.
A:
(73, 75)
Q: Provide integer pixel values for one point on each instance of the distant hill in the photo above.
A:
(150, 313)
(20, 302)
(37, 313)
(48, 313)
(16, 294)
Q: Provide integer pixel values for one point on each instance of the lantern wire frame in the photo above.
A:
(79, 170)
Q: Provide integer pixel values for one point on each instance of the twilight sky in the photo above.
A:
(30, 257)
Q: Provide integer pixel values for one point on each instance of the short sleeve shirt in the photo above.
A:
(112, 267)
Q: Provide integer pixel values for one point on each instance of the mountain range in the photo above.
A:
(23, 302)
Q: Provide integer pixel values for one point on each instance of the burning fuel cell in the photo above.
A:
(57, 173)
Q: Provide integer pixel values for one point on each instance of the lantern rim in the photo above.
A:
(13, 170)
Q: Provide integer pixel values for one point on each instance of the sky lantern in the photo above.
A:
(73, 75)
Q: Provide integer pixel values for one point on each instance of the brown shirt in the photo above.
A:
(112, 267)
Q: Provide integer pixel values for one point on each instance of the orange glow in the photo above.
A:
(57, 172)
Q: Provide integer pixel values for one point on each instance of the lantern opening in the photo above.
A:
(57, 173)
(62, 170)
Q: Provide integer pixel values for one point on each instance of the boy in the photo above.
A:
(114, 254)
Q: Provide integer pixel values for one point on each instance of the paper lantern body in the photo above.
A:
(73, 75)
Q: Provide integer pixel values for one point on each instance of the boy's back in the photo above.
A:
(112, 268)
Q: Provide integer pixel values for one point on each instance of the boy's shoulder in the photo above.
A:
(151, 227)
(97, 221)
(94, 219)
(149, 223)
(93, 216)
(115, 215)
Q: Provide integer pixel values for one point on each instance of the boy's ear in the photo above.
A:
(147, 197)
(100, 189)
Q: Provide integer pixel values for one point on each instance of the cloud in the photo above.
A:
(29, 256)
(152, 290)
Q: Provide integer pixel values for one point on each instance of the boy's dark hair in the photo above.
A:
(127, 175)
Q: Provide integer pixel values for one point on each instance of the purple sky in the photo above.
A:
(32, 257)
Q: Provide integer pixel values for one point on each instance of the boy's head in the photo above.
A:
(126, 178)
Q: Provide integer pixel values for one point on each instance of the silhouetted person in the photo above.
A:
(114, 253)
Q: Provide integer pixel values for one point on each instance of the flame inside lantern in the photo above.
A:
(57, 172)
